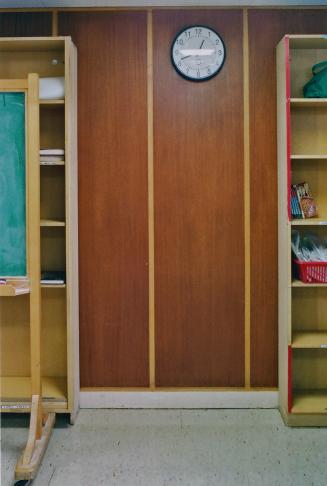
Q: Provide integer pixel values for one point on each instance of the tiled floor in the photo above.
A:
(174, 447)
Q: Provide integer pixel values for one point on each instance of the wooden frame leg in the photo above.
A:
(41, 426)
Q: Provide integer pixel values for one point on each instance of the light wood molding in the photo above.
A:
(152, 378)
(247, 206)
(55, 22)
(33, 232)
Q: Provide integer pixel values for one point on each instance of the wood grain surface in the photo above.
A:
(25, 24)
(266, 28)
(198, 201)
(113, 220)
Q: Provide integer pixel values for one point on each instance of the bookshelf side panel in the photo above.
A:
(72, 228)
(283, 250)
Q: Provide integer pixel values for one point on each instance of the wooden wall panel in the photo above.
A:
(25, 24)
(198, 200)
(266, 28)
(113, 230)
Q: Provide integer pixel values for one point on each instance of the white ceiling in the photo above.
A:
(155, 3)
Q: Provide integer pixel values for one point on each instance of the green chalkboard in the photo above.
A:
(12, 185)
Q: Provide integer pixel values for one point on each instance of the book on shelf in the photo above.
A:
(295, 205)
(19, 285)
(303, 205)
(51, 160)
(51, 152)
(51, 156)
(53, 277)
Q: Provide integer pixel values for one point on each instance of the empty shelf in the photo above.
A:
(309, 339)
(18, 388)
(309, 401)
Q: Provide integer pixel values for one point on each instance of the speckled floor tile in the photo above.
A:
(172, 447)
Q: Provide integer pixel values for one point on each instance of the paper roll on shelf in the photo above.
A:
(52, 88)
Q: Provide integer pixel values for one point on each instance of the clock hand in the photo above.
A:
(202, 44)
(185, 57)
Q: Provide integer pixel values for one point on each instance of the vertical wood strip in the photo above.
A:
(152, 378)
(54, 23)
(247, 213)
(33, 198)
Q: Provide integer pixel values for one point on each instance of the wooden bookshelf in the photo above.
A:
(302, 156)
(58, 240)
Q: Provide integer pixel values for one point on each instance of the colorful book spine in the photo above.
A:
(296, 210)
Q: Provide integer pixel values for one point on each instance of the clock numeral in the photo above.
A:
(220, 53)
(209, 71)
(209, 33)
(198, 73)
(198, 32)
(179, 64)
(188, 33)
(217, 42)
(180, 42)
(176, 53)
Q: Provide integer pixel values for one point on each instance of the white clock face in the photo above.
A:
(198, 53)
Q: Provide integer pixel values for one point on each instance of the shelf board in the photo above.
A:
(18, 388)
(309, 401)
(298, 283)
(54, 286)
(308, 102)
(301, 41)
(13, 288)
(309, 222)
(51, 102)
(32, 44)
(51, 222)
(309, 157)
(309, 339)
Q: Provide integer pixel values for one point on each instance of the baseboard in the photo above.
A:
(178, 399)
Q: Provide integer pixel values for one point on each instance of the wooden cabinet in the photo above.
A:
(56, 215)
(302, 156)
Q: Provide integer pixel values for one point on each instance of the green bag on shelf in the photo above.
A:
(317, 86)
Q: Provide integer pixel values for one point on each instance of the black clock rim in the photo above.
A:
(172, 58)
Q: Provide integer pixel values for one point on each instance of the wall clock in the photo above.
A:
(198, 53)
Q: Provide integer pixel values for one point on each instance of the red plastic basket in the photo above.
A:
(312, 272)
